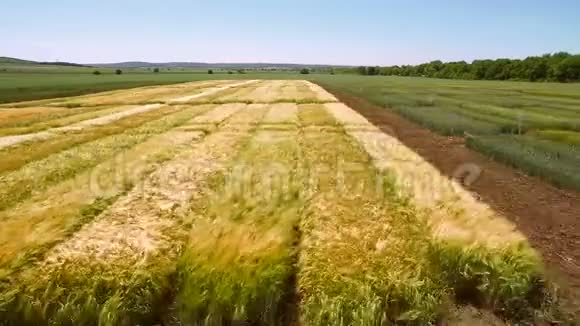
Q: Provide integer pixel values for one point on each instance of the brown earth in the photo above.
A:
(548, 216)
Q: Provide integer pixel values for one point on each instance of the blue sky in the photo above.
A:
(363, 32)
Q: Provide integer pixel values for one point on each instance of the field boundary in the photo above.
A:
(541, 211)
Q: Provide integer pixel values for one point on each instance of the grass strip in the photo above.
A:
(448, 122)
(559, 136)
(551, 160)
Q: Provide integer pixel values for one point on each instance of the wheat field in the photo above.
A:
(265, 202)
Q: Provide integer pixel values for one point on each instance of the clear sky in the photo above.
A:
(363, 32)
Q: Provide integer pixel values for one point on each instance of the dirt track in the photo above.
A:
(547, 216)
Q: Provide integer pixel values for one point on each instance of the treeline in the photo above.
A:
(561, 66)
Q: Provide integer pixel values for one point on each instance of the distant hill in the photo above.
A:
(14, 60)
(203, 65)
(29, 62)
(175, 65)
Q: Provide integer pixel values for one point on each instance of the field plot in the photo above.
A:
(538, 119)
(275, 91)
(266, 202)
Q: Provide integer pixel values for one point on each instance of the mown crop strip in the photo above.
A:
(34, 177)
(239, 262)
(35, 226)
(363, 254)
(225, 218)
(106, 119)
(43, 121)
(136, 96)
(16, 157)
(478, 251)
(554, 161)
(117, 269)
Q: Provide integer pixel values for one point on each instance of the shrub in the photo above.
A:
(118, 72)
(305, 71)
(210, 72)
(96, 72)
(156, 70)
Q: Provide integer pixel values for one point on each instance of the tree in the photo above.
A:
(560, 66)
(535, 68)
(210, 72)
(569, 69)
(305, 71)
(118, 72)
(96, 72)
(373, 71)
(362, 70)
(156, 70)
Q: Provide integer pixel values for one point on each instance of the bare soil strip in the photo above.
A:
(546, 215)
(134, 243)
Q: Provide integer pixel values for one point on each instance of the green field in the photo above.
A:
(532, 126)
(539, 121)
(26, 81)
(15, 87)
